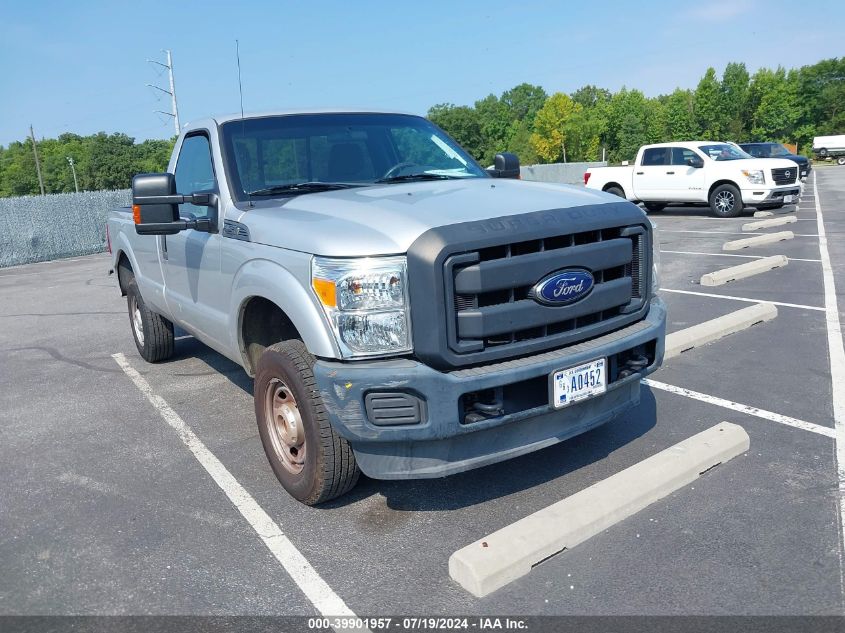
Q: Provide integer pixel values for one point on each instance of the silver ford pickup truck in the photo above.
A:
(404, 312)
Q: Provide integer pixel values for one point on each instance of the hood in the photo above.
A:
(386, 219)
(761, 163)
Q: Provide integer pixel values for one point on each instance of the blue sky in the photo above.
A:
(81, 66)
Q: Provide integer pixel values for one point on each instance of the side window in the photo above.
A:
(194, 172)
(655, 156)
(680, 155)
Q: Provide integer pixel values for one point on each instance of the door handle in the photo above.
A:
(639, 173)
(670, 172)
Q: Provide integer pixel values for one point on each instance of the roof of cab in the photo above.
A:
(236, 116)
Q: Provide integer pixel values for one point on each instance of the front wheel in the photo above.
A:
(823, 152)
(725, 201)
(311, 461)
(840, 160)
(655, 206)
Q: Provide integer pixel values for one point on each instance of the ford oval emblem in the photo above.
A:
(563, 287)
(788, 173)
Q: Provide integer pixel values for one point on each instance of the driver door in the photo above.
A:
(191, 259)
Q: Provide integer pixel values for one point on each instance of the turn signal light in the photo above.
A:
(326, 290)
(136, 213)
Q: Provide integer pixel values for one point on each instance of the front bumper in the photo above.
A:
(757, 196)
(443, 443)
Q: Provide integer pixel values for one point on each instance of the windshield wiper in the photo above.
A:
(301, 187)
(420, 176)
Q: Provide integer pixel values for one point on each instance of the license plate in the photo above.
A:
(787, 199)
(578, 383)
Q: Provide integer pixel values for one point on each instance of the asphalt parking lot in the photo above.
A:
(103, 509)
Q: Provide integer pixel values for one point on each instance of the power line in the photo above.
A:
(37, 162)
(171, 92)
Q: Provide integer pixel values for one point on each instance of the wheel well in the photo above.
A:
(263, 323)
(719, 183)
(124, 273)
(613, 184)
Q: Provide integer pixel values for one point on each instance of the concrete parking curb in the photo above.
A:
(764, 224)
(709, 331)
(510, 553)
(758, 240)
(763, 214)
(723, 276)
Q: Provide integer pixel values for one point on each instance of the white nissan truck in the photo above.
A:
(720, 175)
(404, 312)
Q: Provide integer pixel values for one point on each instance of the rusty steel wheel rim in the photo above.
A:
(284, 425)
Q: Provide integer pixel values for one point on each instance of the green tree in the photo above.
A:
(551, 125)
(734, 95)
(628, 124)
(777, 109)
(524, 101)
(495, 119)
(708, 107)
(591, 96)
(680, 118)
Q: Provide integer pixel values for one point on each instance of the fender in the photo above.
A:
(267, 279)
(151, 291)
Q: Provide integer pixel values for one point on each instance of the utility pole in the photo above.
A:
(73, 169)
(172, 92)
(37, 163)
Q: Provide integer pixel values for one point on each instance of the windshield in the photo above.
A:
(723, 151)
(269, 156)
(776, 149)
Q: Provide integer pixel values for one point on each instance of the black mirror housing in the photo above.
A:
(505, 165)
(151, 217)
(696, 163)
(155, 206)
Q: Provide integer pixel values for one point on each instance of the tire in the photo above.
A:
(655, 206)
(823, 152)
(152, 333)
(311, 461)
(840, 160)
(725, 201)
(616, 191)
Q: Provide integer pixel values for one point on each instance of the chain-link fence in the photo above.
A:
(41, 228)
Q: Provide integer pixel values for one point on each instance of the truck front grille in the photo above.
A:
(785, 175)
(489, 288)
(470, 283)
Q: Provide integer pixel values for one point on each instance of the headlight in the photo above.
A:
(755, 176)
(366, 302)
(655, 258)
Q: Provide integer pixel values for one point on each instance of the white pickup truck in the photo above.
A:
(718, 174)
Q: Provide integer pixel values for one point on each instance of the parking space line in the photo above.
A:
(742, 408)
(327, 602)
(792, 259)
(836, 351)
(746, 299)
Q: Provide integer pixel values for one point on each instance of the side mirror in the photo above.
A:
(505, 165)
(696, 163)
(155, 206)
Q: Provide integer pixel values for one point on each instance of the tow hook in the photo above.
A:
(633, 366)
